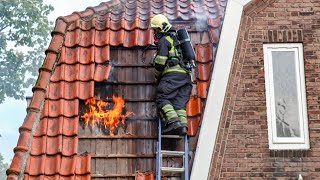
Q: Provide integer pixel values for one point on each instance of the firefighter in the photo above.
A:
(174, 81)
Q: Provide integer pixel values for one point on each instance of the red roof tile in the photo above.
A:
(82, 165)
(37, 100)
(204, 71)
(145, 176)
(35, 165)
(52, 165)
(102, 72)
(54, 145)
(48, 65)
(69, 146)
(70, 126)
(101, 38)
(23, 141)
(203, 89)
(42, 128)
(44, 75)
(194, 106)
(29, 121)
(78, 56)
(39, 145)
(55, 126)
(81, 177)
(55, 44)
(204, 53)
(193, 125)
(16, 164)
(102, 54)
(68, 165)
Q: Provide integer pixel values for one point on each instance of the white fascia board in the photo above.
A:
(217, 91)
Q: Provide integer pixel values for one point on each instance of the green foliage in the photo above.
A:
(3, 168)
(24, 30)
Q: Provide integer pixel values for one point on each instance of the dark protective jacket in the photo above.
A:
(167, 57)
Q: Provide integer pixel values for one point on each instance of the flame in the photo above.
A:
(109, 118)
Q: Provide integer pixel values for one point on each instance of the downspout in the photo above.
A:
(217, 91)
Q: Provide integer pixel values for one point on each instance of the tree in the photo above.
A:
(24, 30)
(3, 168)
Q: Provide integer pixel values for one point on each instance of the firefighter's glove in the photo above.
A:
(157, 75)
(152, 63)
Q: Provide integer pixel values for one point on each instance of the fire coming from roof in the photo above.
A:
(98, 113)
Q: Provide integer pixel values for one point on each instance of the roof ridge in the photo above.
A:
(89, 11)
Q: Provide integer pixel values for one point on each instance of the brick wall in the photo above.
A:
(241, 149)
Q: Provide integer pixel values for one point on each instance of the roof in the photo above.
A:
(77, 57)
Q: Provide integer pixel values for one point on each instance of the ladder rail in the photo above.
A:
(186, 158)
(159, 159)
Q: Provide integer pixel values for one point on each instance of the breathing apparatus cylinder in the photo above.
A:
(185, 45)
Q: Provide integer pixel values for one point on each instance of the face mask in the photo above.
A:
(157, 34)
(155, 40)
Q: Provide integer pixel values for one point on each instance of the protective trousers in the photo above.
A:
(173, 93)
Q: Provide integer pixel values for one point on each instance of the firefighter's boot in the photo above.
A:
(183, 130)
(173, 127)
(183, 120)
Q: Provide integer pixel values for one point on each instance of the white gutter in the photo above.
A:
(217, 91)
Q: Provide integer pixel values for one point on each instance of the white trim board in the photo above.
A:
(217, 91)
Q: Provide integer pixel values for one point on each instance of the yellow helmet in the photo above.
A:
(160, 21)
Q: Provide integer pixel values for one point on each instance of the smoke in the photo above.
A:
(111, 74)
(201, 17)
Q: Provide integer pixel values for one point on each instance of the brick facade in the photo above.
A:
(241, 149)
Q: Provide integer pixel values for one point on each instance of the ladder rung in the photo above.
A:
(172, 136)
(172, 153)
(172, 169)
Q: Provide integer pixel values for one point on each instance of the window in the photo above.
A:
(286, 96)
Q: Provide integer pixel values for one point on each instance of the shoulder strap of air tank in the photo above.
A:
(174, 37)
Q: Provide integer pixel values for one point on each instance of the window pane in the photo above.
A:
(286, 94)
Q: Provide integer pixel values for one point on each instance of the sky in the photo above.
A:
(13, 112)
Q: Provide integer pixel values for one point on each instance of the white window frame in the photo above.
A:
(286, 143)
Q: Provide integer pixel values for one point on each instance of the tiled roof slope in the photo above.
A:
(78, 56)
